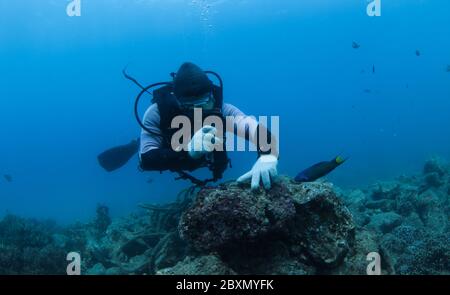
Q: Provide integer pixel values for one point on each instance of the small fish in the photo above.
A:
(448, 68)
(373, 69)
(367, 91)
(355, 45)
(319, 170)
(418, 53)
(150, 180)
(7, 177)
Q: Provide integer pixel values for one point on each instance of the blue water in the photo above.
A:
(63, 99)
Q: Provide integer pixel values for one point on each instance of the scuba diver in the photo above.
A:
(191, 90)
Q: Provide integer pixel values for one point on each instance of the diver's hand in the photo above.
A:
(203, 142)
(264, 169)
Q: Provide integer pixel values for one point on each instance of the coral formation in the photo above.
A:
(410, 219)
(304, 223)
(308, 228)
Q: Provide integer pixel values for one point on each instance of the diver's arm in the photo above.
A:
(265, 168)
(248, 127)
(268, 145)
(166, 159)
(154, 156)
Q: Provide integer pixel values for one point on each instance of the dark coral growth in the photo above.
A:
(102, 219)
(415, 251)
(225, 216)
(435, 165)
(26, 246)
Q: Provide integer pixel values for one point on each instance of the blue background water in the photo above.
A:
(63, 98)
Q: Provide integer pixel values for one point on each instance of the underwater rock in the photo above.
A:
(203, 265)
(416, 251)
(323, 227)
(115, 271)
(308, 218)
(414, 220)
(274, 255)
(433, 179)
(435, 165)
(140, 264)
(411, 215)
(355, 262)
(291, 229)
(97, 269)
(361, 219)
(229, 214)
(102, 219)
(405, 203)
(27, 247)
(384, 205)
(357, 197)
(134, 247)
(433, 208)
(356, 202)
(168, 251)
(385, 190)
(287, 266)
(434, 211)
(385, 222)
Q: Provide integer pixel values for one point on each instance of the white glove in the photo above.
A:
(203, 142)
(265, 168)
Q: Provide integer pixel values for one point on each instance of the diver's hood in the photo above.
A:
(190, 82)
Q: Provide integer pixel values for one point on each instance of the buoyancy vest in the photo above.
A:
(169, 108)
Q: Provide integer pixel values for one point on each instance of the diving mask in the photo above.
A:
(197, 102)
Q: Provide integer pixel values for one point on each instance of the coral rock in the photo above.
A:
(229, 214)
(434, 165)
(323, 226)
(385, 222)
(308, 218)
(203, 265)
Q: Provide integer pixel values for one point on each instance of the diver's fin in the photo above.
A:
(116, 157)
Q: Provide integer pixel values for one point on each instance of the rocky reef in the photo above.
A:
(309, 228)
(410, 217)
